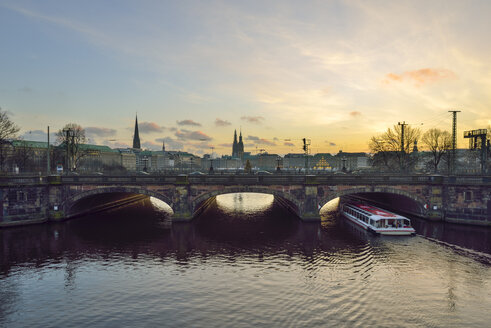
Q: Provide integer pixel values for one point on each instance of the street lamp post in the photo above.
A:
(211, 159)
(180, 161)
(145, 161)
(69, 135)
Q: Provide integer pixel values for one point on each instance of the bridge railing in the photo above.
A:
(21, 180)
(246, 179)
(280, 179)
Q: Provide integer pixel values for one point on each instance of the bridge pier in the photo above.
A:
(182, 215)
(309, 204)
(182, 205)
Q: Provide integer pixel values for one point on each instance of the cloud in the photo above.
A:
(188, 122)
(253, 119)
(421, 76)
(192, 135)
(152, 145)
(355, 113)
(330, 143)
(115, 144)
(289, 144)
(260, 141)
(149, 127)
(93, 131)
(38, 135)
(253, 138)
(265, 142)
(225, 145)
(220, 122)
(170, 143)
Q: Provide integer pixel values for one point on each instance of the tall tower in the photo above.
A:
(235, 145)
(454, 137)
(136, 136)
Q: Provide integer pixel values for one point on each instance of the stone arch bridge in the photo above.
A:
(38, 199)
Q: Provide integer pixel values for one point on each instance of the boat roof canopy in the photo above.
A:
(376, 213)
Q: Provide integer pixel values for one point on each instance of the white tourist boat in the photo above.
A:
(377, 220)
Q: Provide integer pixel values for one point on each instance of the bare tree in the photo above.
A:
(8, 131)
(438, 142)
(72, 137)
(382, 157)
(387, 147)
(22, 156)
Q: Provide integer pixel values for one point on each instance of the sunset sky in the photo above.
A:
(337, 72)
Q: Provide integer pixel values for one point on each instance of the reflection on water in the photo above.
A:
(239, 268)
(246, 218)
(238, 204)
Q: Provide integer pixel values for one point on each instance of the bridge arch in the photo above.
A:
(418, 200)
(285, 199)
(70, 202)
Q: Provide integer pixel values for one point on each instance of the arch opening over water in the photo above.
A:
(244, 203)
(245, 200)
(103, 199)
(244, 217)
(396, 200)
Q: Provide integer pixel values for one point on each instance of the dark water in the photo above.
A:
(244, 263)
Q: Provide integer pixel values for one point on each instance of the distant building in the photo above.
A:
(350, 161)
(128, 159)
(93, 158)
(26, 156)
(294, 161)
(238, 146)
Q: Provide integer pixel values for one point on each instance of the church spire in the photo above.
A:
(240, 146)
(234, 146)
(136, 136)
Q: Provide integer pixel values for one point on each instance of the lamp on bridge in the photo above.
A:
(211, 159)
(145, 162)
(344, 163)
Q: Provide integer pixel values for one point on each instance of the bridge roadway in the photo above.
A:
(35, 199)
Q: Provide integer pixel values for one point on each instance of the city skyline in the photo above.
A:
(336, 72)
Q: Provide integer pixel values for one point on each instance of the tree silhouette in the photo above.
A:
(8, 131)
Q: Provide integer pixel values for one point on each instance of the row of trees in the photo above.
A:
(70, 138)
(393, 153)
(8, 130)
(392, 150)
